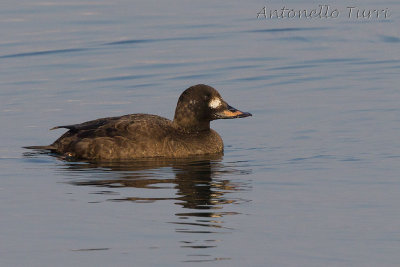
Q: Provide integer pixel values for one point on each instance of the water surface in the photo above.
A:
(311, 179)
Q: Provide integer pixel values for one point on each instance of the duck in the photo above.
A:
(136, 136)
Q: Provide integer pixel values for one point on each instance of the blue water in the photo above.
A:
(312, 179)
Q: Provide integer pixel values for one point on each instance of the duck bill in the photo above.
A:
(232, 113)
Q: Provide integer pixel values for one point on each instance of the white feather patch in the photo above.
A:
(215, 103)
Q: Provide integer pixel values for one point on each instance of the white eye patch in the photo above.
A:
(215, 103)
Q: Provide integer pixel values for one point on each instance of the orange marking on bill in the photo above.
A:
(232, 114)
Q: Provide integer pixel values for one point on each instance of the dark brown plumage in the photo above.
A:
(143, 135)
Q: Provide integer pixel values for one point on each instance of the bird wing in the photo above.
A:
(89, 125)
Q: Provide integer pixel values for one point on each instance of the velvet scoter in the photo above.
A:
(143, 135)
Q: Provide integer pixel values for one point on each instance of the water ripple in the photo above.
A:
(288, 29)
(390, 39)
(122, 42)
(45, 52)
(138, 41)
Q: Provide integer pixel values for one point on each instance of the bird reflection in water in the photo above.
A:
(200, 187)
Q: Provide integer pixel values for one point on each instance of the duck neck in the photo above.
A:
(191, 126)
